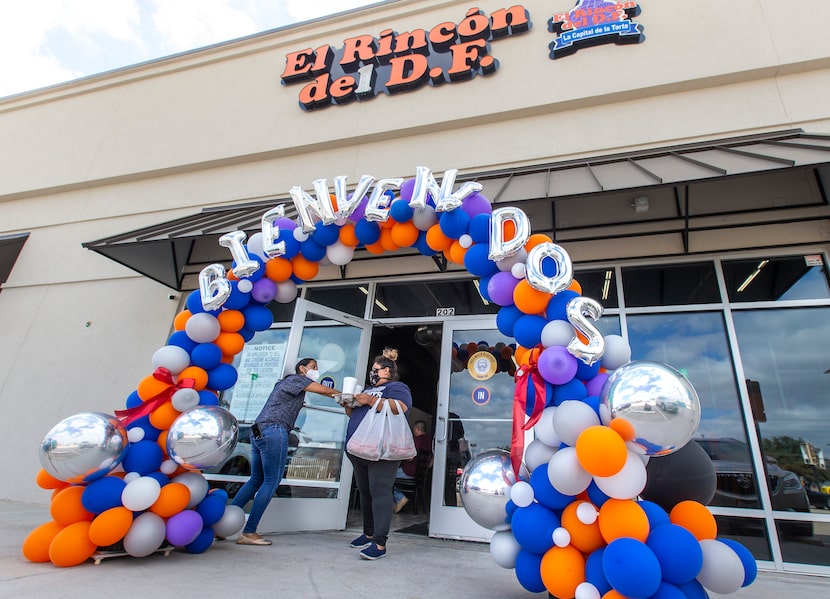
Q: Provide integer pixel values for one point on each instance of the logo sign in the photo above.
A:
(594, 22)
(482, 365)
(398, 62)
(481, 396)
(327, 381)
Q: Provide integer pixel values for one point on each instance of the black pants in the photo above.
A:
(375, 481)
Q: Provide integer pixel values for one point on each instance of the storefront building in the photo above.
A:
(680, 154)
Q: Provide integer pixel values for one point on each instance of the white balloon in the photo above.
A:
(255, 246)
(544, 428)
(135, 434)
(202, 327)
(300, 235)
(245, 285)
(521, 493)
(198, 486)
(722, 571)
(504, 548)
(617, 352)
(557, 332)
(184, 399)
(424, 218)
(628, 482)
(140, 494)
(586, 590)
(586, 513)
(565, 473)
(168, 467)
(146, 534)
(465, 240)
(231, 521)
(131, 476)
(172, 357)
(571, 418)
(561, 537)
(506, 264)
(518, 270)
(537, 453)
(339, 253)
(286, 292)
(604, 414)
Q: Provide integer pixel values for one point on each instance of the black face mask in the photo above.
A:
(374, 377)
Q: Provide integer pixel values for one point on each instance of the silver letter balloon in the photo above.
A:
(485, 488)
(658, 401)
(83, 447)
(202, 437)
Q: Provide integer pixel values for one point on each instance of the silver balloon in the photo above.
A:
(658, 401)
(234, 241)
(377, 208)
(83, 447)
(499, 248)
(346, 205)
(202, 437)
(580, 310)
(485, 488)
(564, 268)
(214, 287)
(270, 246)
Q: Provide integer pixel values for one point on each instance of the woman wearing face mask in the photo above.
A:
(376, 479)
(269, 443)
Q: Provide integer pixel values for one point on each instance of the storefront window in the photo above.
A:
(600, 285)
(670, 285)
(774, 279)
(396, 300)
(351, 300)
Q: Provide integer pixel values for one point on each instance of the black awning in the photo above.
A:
(10, 247)
(172, 250)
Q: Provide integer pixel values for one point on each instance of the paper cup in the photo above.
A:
(349, 385)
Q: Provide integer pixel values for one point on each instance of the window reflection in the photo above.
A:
(670, 285)
(600, 285)
(749, 532)
(774, 279)
(394, 300)
(351, 299)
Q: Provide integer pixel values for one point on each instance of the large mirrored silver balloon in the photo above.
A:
(485, 488)
(658, 401)
(83, 447)
(202, 437)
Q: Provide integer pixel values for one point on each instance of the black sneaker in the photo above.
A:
(361, 542)
(373, 552)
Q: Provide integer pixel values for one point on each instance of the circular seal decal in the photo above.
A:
(482, 365)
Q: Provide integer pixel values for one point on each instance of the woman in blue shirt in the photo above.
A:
(376, 479)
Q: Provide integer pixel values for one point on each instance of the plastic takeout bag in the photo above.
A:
(382, 436)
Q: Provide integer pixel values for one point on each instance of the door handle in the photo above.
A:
(443, 436)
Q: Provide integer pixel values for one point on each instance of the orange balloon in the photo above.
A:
(521, 354)
(278, 269)
(386, 239)
(36, 544)
(197, 374)
(694, 517)
(72, 546)
(388, 223)
(304, 268)
(405, 234)
(231, 276)
(509, 230)
(529, 299)
(347, 235)
(575, 286)
(44, 480)
(162, 441)
(150, 386)
(375, 248)
(110, 526)
(585, 537)
(66, 507)
(624, 428)
(181, 319)
(536, 239)
(227, 359)
(457, 252)
(164, 416)
(601, 451)
(172, 499)
(622, 518)
(231, 321)
(612, 594)
(436, 239)
(230, 343)
(562, 570)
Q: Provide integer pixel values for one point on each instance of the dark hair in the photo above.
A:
(303, 362)
(387, 360)
(420, 423)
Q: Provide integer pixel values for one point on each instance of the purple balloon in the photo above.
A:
(285, 224)
(264, 291)
(556, 365)
(476, 204)
(405, 192)
(184, 527)
(360, 211)
(594, 385)
(500, 288)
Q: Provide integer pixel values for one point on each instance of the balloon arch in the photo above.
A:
(568, 512)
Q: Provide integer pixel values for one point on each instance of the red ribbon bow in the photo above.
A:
(162, 374)
(525, 375)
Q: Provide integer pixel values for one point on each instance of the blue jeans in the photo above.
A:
(268, 456)
(398, 495)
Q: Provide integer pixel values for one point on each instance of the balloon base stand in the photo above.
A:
(100, 556)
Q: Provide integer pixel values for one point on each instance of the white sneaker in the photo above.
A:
(400, 504)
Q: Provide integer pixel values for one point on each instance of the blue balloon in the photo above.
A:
(247, 333)
(747, 559)
(573, 389)
(529, 571)
(202, 541)
(545, 493)
(631, 567)
(206, 356)
(143, 457)
(585, 372)
(206, 398)
(180, 339)
(596, 496)
(194, 304)
(133, 400)
(367, 232)
(292, 246)
(422, 245)
(656, 515)
(678, 552)
(528, 330)
(693, 590)
(258, 273)
(220, 493)
(151, 433)
(593, 401)
(557, 306)
(454, 223)
(103, 494)
(237, 299)
(476, 261)
(257, 318)
(325, 235)
(666, 590)
(479, 228)
(510, 509)
(211, 509)
(161, 477)
(506, 319)
(594, 572)
(312, 251)
(222, 377)
(401, 211)
(533, 527)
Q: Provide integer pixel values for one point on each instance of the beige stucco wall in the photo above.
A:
(139, 146)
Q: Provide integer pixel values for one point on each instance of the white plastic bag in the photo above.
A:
(382, 436)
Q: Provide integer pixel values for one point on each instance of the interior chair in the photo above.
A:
(417, 489)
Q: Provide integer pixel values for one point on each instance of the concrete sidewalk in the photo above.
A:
(306, 565)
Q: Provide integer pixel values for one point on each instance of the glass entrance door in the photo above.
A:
(474, 414)
(314, 495)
